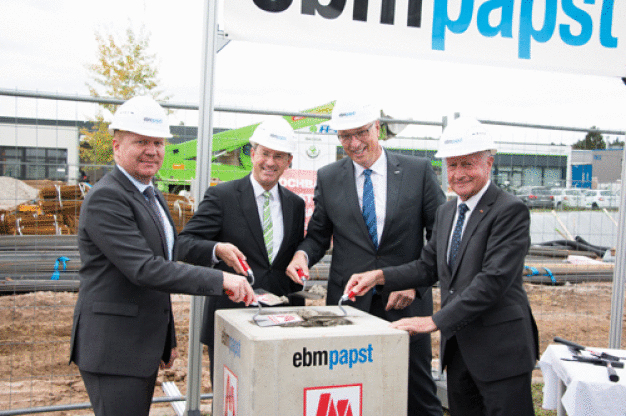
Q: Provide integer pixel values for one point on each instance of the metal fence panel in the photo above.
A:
(39, 139)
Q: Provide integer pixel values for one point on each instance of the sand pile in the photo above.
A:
(14, 192)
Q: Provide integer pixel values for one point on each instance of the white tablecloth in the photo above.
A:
(588, 390)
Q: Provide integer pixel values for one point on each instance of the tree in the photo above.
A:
(124, 69)
(592, 141)
(617, 143)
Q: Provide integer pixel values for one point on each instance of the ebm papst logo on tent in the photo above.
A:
(344, 400)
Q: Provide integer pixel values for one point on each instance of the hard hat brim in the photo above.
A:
(143, 132)
(352, 123)
(443, 154)
(273, 146)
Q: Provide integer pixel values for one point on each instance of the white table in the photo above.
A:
(581, 389)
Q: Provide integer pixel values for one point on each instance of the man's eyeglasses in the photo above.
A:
(359, 134)
(277, 157)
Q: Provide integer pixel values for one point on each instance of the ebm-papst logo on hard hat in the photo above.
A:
(344, 400)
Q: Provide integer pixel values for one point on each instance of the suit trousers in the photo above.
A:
(423, 400)
(113, 395)
(470, 397)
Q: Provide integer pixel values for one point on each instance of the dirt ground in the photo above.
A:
(35, 331)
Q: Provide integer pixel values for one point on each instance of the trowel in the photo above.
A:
(305, 292)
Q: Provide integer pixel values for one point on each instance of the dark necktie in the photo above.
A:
(156, 214)
(457, 234)
(369, 207)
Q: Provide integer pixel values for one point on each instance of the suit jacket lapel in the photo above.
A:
(394, 182)
(287, 209)
(250, 209)
(141, 200)
(448, 212)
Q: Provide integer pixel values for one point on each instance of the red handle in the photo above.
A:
(245, 266)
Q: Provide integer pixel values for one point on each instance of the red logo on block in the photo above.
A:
(230, 392)
(334, 400)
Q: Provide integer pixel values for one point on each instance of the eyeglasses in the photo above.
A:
(275, 156)
(359, 134)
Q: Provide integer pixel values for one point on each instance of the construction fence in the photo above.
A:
(44, 177)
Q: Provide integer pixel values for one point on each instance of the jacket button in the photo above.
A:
(451, 291)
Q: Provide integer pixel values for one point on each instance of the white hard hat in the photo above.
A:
(276, 134)
(349, 115)
(464, 136)
(142, 115)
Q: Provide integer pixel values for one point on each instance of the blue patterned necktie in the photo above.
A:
(369, 207)
(457, 234)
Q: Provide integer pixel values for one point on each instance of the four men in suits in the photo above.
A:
(123, 324)
(376, 206)
(477, 250)
(229, 223)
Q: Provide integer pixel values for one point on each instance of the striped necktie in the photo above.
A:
(268, 233)
(369, 207)
(457, 234)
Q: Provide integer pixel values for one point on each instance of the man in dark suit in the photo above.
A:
(123, 323)
(480, 239)
(229, 223)
(403, 192)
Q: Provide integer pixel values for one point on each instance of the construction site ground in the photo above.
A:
(34, 364)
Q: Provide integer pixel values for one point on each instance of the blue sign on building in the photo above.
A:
(581, 176)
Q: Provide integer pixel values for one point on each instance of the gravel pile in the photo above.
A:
(14, 192)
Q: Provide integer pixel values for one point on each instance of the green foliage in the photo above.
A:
(97, 147)
(124, 69)
(592, 141)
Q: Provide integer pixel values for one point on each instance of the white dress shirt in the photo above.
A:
(379, 182)
(276, 210)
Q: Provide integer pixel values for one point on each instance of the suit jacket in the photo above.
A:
(123, 322)
(483, 301)
(229, 213)
(413, 196)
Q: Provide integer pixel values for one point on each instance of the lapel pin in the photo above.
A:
(481, 211)
(396, 172)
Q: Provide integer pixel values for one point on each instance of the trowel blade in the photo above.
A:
(307, 295)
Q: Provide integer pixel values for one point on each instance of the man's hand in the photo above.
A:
(173, 357)
(416, 325)
(230, 254)
(360, 283)
(298, 262)
(238, 289)
(400, 299)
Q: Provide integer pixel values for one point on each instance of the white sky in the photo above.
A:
(45, 45)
